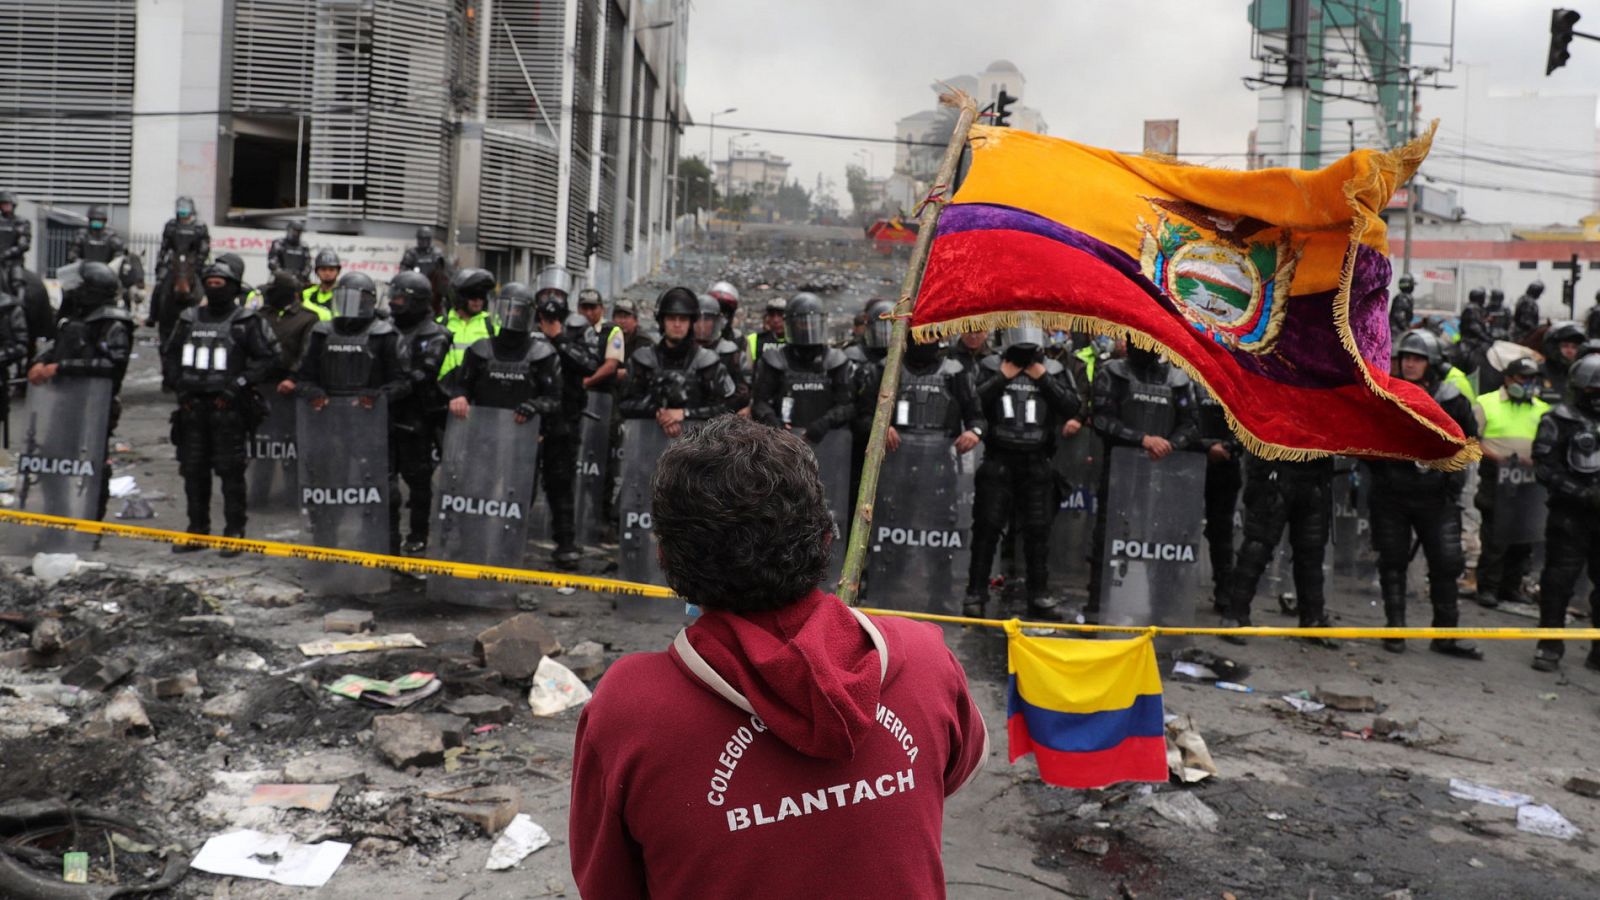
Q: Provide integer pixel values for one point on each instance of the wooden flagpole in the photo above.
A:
(861, 525)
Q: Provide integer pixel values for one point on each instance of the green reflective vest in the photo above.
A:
(1504, 418)
(318, 301)
(1089, 357)
(1462, 383)
(463, 334)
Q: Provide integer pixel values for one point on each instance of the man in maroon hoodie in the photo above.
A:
(786, 745)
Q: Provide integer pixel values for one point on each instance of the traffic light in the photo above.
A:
(1002, 109)
(1561, 24)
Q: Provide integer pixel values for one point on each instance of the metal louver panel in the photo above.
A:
(59, 57)
(274, 43)
(610, 127)
(517, 192)
(536, 26)
(380, 103)
(582, 135)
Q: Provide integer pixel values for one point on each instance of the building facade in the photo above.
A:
(525, 132)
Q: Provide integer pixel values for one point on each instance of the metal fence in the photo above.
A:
(57, 239)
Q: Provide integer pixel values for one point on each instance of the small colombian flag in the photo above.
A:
(1089, 711)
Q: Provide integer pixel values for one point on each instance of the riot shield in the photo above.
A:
(643, 443)
(966, 496)
(1519, 504)
(594, 452)
(833, 463)
(483, 501)
(1154, 539)
(272, 466)
(916, 530)
(344, 490)
(61, 464)
(1077, 464)
(1352, 555)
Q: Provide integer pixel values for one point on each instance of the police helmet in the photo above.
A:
(553, 278)
(97, 213)
(1585, 374)
(677, 301)
(424, 236)
(184, 207)
(1477, 296)
(1536, 289)
(879, 327)
(1562, 333)
(470, 284)
(326, 259)
(710, 323)
(723, 292)
(1521, 367)
(99, 284)
(233, 261)
(515, 308)
(8, 197)
(295, 228)
(1423, 343)
(804, 322)
(1590, 347)
(1496, 296)
(355, 296)
(410, 289)
(1026, 335)
(1407, 282)
(220, 269)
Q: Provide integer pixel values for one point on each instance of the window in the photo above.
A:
(1528, 264)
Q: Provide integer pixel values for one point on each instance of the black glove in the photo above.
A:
(527, 410)
(815, 434)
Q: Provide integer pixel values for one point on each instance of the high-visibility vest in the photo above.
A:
(1089, 357)
(463, 334)
(1510, 427)
(318, 301)
(1462, 383)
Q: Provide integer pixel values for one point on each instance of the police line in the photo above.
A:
(418, 566)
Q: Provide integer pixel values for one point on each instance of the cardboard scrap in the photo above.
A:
(326, 647)
(401, 692)
(315, 797)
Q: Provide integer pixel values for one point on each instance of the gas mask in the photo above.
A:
(1519, 393)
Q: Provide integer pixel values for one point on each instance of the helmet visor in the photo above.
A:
(878, 332)
(70, 277)
(807, 329)
(354, 302)
(515, 315)
(1025, 336)
(707, 327)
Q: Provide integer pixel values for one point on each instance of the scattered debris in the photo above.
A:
(326, 647)
(399, 693)
(555, 688)
(94, 674)
(1192, 672)
(183, 684)
(520, 838)
(325, 768)
(1583, 787)
(586, 648)
(1396, 729)
(1221, 667)
(75, 867)
(124, 716)
(52, 567)
(482, 708)
(228, 706)
(1537, 818)
(516, 647)
(122, 486)
(348, 621)
(407, 740)
(1188, 759)
(587, 666)
(1182, 808)
(1302, 702)
(315, 797)
(1092, 844)
(49, 636)
(1236, 687)
(1346, 702)
(490, 808)
(271, 857)
(209, 624)
(1480, 793)
(242, 659)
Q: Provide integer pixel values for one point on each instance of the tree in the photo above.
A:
(793, 202)
(693, 177)
(738, 206)
(859, 188)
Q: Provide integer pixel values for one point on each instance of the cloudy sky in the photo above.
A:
(1095, 70)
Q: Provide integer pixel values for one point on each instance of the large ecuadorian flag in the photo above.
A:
(1089, 711)
(1269, 286)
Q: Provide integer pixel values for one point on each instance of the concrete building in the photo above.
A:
(758, 173)
(525, 131)
(922, 135)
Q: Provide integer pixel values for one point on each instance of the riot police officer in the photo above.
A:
(572, 337)
(290, 320)
(970, 349)
(184, 237)
(16, 236)
(14, 343)
(727, 297)
(708, 332)
(1408, 499)
(1024, 398)
(353, 354)
(468, 320)
(93, 340)
(1496, 316)
(607, 341)
(1591, 322)
(215, 355)
(1508, 421)
(678, 381)
(802, 384)
(416, 422)
(516, 369)
(866, 373)
(773, 320)
(1566, 458)
(289, 254)
(1279, 494)
(98, 242)
(424, 258)
(318, 297)
(1223, 481)
(1561, 345)
(1401, 305)
(1143, 401)
(1526, 316)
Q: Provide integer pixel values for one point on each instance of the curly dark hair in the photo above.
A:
(740, 516)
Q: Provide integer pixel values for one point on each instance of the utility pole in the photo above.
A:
(1295, 86)
(711, 145)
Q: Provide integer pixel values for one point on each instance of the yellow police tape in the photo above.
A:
(417, 566)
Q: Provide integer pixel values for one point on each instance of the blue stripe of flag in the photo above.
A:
(1088, 732)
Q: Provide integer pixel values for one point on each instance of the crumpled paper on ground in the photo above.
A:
(1187, 756)
(555, 688)
(522, 837)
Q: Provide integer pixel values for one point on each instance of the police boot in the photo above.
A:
(231, 552)
(1044, 609)
(567, 555)
(414, 544)
(1592, 661)
(1320, 620)
(972, 606)
(1394, 615)
(1448, 617)
(191, 548)
(1547, 657)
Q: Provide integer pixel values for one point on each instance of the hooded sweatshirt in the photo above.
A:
(804, 752)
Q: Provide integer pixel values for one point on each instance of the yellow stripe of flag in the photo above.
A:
(1075, 676)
